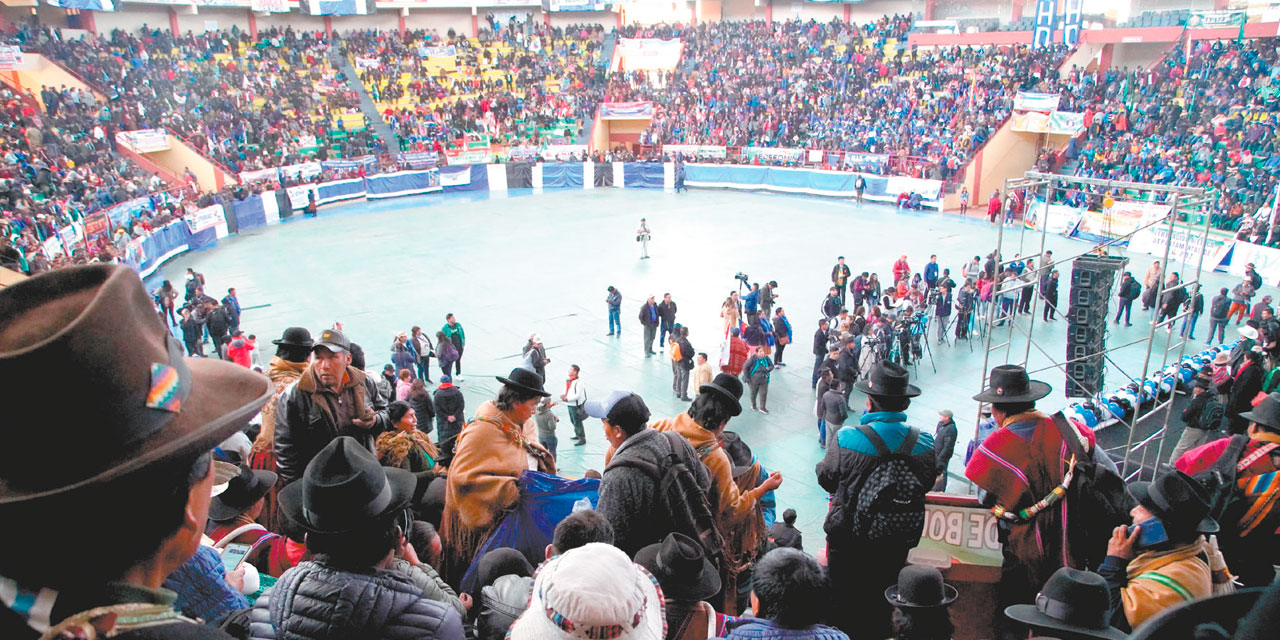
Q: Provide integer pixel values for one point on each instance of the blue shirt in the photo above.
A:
(751, 301)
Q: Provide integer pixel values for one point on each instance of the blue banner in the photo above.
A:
(249, 213)
(624, 110)
(402, 183)
(419, 160)
(121, 213)
(84, 5)
(368, 162)
(339, 190)
(1072, 22)
(644, 175)
(1046, 14)
(562, 174)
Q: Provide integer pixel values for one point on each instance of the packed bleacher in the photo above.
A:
(1208, 121)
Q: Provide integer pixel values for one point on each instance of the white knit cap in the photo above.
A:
(593, 592)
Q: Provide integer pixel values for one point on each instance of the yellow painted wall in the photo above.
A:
(36, 71)
(179, 157)
(1009, 154)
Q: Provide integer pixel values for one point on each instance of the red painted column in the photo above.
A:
(1017, 10)
(253, 25)
(87, 22)
(768, 12)
(400, 22)
(475, 24)
(619, 14)
(328, 26)
(173, 22)
(1104, 58)
(693, 14)
(546, 18)
(848, 12)
(930, 6)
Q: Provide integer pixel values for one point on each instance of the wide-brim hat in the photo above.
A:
(1178, 500)
(1266, 412)
(888, 379)
(1010, 383)
(920, 587)
(525, 380)
(681, 567)
(248, 487)
(593, 591)
(1222, 358)
(740, 455)
(728, 387)
(1074, 601)
(295, 337)
(138, 399)
(1248, 332)
(344, 488)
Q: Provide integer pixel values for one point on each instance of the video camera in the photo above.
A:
(741, 276)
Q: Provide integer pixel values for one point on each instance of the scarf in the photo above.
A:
(394, 447)
(282, 373)
(309, 382)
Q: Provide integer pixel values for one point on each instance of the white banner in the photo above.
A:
(1265, 260)
(259, 175)
(1187, 243)
(696, 150)
(564, 152)
(455, 178)
(205, 218)
(1054, 218)
(10, 57)
(298, 195)
(269, 6)
(1030, 101)
(306, 170)
(367, 63)
(145, 140)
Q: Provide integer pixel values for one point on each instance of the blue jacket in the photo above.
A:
(406, 358)
(761, 629)
(201, 585)
(931, 273)
(751, 301)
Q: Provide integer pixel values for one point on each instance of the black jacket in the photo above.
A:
(500, 604)
(424, 408)
(819, 343)
(944, 444)
(191, 330)
(1191, 415)
(831, 307)
(848, 372)
(315, 601)
(667, 312)
(644, 315)
(449, 402)
(786, 535)
(303, 427)
(218, 322)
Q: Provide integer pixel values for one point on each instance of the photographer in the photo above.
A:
(941, 299)
(964, 308)
(902, 330)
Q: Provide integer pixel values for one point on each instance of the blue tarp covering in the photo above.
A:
(643, 175)
(402, 183)
(473, 177)
(340, 190)
(121, 213)
(249, 213)
(202, 239)
(562, 174)
(545, 500)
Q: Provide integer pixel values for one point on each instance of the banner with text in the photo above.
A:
(145, 140)
(1031, 101)
(773, 154)
(206, 218)
(1046, 14)
(10, 57)
(1217, 19)
(1072, 22)
(437, 52)
(269, 6)
(696, 150)
(648, 54)
(626, 110)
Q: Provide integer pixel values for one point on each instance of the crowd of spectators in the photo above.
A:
(1205, 121)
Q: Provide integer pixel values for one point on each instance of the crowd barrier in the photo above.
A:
(210, 224)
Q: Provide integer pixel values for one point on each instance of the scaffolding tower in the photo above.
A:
(1141, 455)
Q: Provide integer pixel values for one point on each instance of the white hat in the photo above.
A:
(1249, 332)
(535, 338)
(593, 592)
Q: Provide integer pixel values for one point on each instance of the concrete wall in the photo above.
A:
(1138, 55)
(741, 10)
(1009, 154)
(1083, 56)
(300, 22)
(443, 19)
(36, 71)
(133, 16)
(565, 18)
(212, 19)
(709, 10)
(180, 157)
(954, 9)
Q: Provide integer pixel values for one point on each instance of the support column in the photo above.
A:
(768, 12)
(932, 5)
(848, 11)
(475, 23)
(693, 12)
(1017, 10)
(1105, 56)
(546, 18)
(400, 21)
(253, 25)
(173, 22)
(87, 23)
(1219, 5)
(328, 27)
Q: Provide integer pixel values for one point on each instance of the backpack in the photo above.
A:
(685, 502)
(1220, 306)
(1211, 416)
(890, 503)
(1220, 482)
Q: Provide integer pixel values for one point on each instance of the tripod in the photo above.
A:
(920, 336)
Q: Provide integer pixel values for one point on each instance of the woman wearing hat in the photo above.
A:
(234, 516)
(921, 604)
(293, 350)
(403, 354)
(1172, 557)
(408, 448)
(687, 579)
(491, 454)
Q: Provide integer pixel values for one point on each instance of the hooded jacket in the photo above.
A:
(315, 601)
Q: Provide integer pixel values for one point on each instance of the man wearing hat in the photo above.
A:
(921, 604)
(491, 454)
(135, 447)
(687, 579)
(861, 557)
(1202, 418)
(1035, 491)
(356, 516)
(331, 398)
(702, 425)
(631, 496)
(293, 350)
(1172, 563)
(1072, 604)
(1250, 546)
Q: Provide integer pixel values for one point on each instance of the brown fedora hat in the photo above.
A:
(125, 395)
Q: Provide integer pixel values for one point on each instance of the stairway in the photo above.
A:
(367, 107)
(606, 50)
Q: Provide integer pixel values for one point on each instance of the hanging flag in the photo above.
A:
(1046, 14)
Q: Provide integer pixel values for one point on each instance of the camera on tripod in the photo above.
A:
(741, 276)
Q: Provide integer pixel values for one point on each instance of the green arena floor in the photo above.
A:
(512, 265)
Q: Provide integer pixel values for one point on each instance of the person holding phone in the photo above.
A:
(1161, 560)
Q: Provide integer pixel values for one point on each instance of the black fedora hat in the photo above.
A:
(248, 487)
(1266, 412)
(888, 379)
(343, 488)
(1010, 383)
(525, 380)
(920, 587)
(1180, 502)
(728, 387)
(1074, 601)
(681, 567)
(295, 337)
(138, 399)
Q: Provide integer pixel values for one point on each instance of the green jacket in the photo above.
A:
(455, 334)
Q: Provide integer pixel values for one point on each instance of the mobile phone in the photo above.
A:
(233, 555)
(1153, 533)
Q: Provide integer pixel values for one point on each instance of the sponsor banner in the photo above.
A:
(696, 150)
(1054, 218)
(964, 532)
(648, 54)
(10, 57)
(1057, 122)
(269, 6)
(96, 224)
(481, 156)
(1031, 101)
(420, 160)
(259, 175)
(1121, 219)
(1217, 19)
(1046, 14)
(774, 154)
(367, 63)
(564, 152)
(1187, 243)
(121, 213)
(71, 234)
(455, 178)
(1265, 260)
(205, 218)
(523, 153)
(145, 140)
(354, 163)
(625, 110)
(305, 171)
(298, 195)
(867, 162)
(52, 247)
(1066, 122)
(437, 52)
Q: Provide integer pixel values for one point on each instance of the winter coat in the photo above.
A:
(630, 499)
(835, 410)
(428, 580)
(315, 601)
(404, 357)
(500, 604)
(763, 629)
(304, 425)
(667, 313)
(449, 402)
(944, 444)
(423, 408)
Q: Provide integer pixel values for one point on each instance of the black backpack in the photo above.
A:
(683, 499)
(1211, 417)
(1220, 306)
(890, 503)
(1220, 482)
